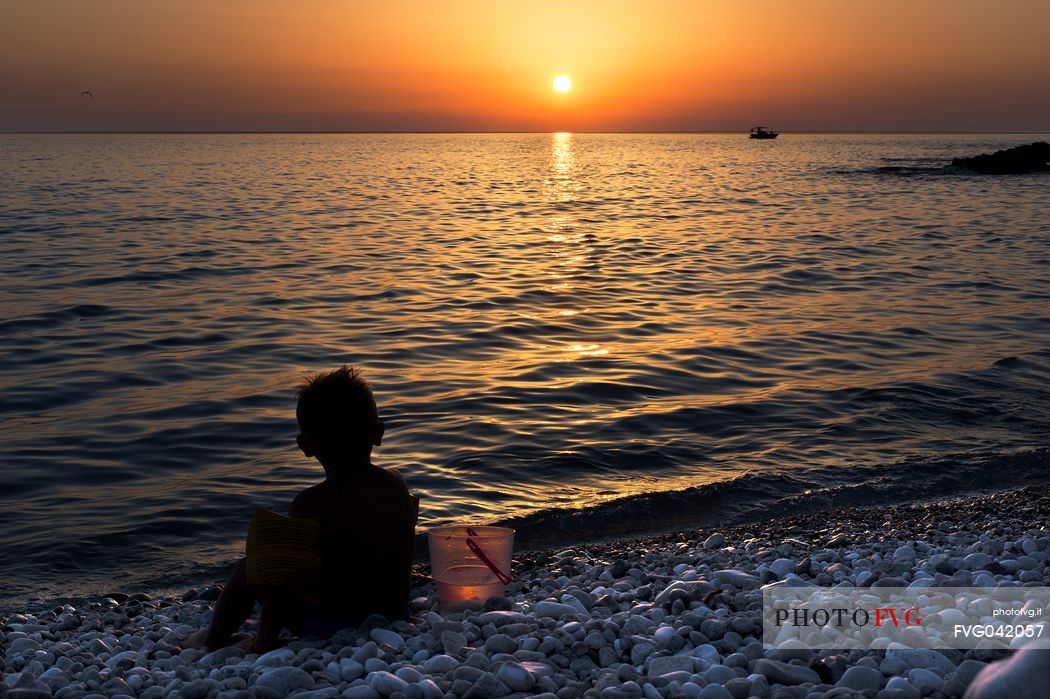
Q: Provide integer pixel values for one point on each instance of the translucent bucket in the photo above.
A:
(461, 575)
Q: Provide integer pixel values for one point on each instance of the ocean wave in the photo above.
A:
(756, 496)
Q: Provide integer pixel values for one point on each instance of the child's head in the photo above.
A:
(337, 416)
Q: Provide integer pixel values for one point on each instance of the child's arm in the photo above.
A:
(278, 604)
(406, 545)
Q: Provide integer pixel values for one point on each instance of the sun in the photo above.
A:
(563, 83)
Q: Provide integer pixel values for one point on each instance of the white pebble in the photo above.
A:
(923, 678)
(905, 553)
(350, 670)
(430, 690)
(904, 686)
(440, 665)
(362, 691)
(409, 674)
(554, 610)
(285, 680)
(124, 660)
(275, 658)
(387, 637)
(670, 663)
(575, 604)
(385, 683)
(781, 567)
(736, 578)
(515, 676)
(714, 691)
(663, 634)
(376, 665)
(707, 652)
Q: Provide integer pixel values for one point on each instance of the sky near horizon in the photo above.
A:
(472, 65)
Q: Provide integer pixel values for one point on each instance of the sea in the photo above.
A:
(584, 335)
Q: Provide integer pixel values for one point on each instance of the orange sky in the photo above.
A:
(488, 65)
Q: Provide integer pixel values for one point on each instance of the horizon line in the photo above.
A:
(497, 132)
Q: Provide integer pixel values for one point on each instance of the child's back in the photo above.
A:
(367, 521)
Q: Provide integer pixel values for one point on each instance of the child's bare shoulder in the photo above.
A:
(306, 503)
(391, 473)
(391, 478)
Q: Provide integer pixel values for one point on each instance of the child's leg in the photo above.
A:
(280, 610)
(234, 605)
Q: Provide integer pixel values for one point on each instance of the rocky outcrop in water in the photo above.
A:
(1034, 157)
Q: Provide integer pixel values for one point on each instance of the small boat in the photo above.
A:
(763, 132)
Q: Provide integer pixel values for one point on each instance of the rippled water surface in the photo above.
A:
(550, 321)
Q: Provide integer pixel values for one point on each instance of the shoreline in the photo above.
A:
(127, 643)
(641, 516)
(717, 505)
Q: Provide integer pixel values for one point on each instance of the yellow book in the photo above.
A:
(284, 551)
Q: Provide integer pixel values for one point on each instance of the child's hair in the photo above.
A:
(336, 408)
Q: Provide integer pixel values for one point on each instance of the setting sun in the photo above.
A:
(563, 83)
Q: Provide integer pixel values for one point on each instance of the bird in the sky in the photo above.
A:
(88, 93)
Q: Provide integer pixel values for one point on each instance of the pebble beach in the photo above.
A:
(674, 615)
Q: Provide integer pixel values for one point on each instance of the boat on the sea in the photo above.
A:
(763, 132)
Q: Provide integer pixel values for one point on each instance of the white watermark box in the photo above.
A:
(895, 617)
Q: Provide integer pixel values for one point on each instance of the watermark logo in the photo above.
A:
(895, 617)
(842, 616)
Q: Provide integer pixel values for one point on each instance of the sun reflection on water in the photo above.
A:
(573, 248)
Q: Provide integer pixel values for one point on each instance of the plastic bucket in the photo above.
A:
(469, 564)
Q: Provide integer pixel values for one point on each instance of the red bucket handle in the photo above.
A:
(476, 550)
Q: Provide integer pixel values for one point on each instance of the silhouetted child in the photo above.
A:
(367, 519)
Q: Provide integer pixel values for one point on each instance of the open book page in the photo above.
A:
(284, 552)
